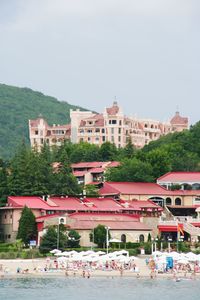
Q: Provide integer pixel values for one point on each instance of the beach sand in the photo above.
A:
(35, 267)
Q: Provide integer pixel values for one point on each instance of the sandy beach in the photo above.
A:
(36, 268)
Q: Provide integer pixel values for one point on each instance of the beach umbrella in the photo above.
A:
(115, 241)
(62, 259)
(182, 261)
(58, 254)
(100, 252)
(55, 251)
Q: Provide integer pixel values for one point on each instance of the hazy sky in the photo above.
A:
(144, 52)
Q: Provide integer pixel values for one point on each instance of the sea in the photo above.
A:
(98, 288)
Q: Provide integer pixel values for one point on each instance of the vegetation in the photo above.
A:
(17, 106)
(27, 230)
(100, 235)
(50, 240)
(73, 239)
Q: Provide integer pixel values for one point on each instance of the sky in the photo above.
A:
(143, 53)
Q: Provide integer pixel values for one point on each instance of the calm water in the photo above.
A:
(98, 289)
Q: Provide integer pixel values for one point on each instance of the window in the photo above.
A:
(112, 121)
(119, 138)
(119, 130)
(177, 201)
(36, 132)
(41, 141)
(112, 139)
(103, 130)
(152, 126)
(123, 238)
(120, 123)
(88, 139)
(168, 201)
(112, 130)
(141, 238)
(145, 125)
(5, 216)
(103, 138)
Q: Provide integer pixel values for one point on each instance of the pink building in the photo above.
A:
(40, 132)
(92, 172)
(110, 126)
(113, 126)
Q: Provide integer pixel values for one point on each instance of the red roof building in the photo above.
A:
(180, 178)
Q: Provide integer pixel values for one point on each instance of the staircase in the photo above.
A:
(167, 215)
(192, 230)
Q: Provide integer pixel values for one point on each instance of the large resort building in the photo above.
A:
(110, 126)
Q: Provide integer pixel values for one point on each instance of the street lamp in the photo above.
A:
(107, 238)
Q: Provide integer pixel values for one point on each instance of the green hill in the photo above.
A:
(17, 106)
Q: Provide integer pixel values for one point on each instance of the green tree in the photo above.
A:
(108, 151)
(131, 170)
(18, 184)
(4, 192)
(73, 239)
(27, 229)
(91, 190)
(160, 162)
(129, 150)
(100, 235)
(50, 239)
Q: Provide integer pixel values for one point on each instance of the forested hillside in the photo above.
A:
(17, 106)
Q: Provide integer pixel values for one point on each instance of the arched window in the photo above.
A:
(177, 201)
(168, 201)
(151, 125)
(141, 238)
(123, 238)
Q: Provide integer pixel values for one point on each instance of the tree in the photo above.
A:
(50, 239)
(131, 170)
(108, 151)
(91, 190)
(27, 230)
(129, 150)
(160, 162)
(18, 184)
(3, 182)
(100, 235)
(73, 239)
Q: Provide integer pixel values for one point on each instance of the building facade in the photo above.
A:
(110, 126)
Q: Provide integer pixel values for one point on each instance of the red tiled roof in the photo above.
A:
(79, 173)
(29, 201)
(102, 204)
(178, 120)
(132, 188)
(180, 177)
(113, 164)
(113, 110)
(114, 221)
(69, 203)
(96, 170)
(140, 204)
(84, 165)
(98, 121)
